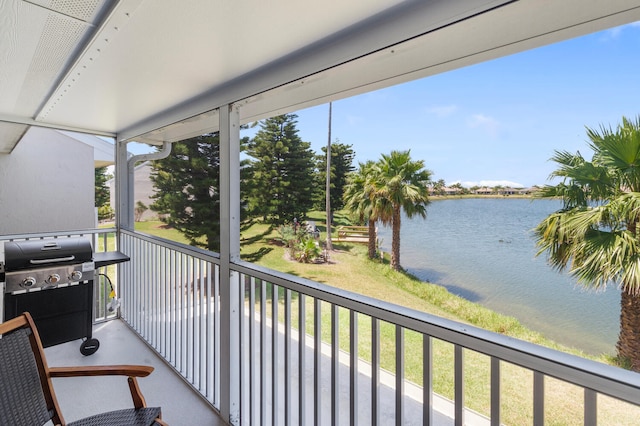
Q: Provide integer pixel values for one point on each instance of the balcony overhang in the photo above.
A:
(132, 69)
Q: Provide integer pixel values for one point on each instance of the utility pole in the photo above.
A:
(328, 186)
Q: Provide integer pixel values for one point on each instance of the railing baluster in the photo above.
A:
(302, 364)
(335, 365)
(275, 389)
(538, 398)
(317, 361)
(216, 333)
(204, 319)
(159, 284)
(287, 357)
(590, 407)
(495, 391)
(136, 316)
(212, 335)
(155, 294)
(263, 353)
(375, 371)
(190, 316)
(195, 319)
(399, 375)
(173, 302)
(165, 277)
(242, 287)
(178, 310)
(252, 349)
(459, 384)
(427, 381)
(353, 362)
(183, 316)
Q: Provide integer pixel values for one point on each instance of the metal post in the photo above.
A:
(229, 252)
(328, 186)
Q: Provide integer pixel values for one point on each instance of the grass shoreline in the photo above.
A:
(447, 304)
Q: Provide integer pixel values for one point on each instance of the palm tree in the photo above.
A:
(596, 235)
(360, 200)
(438, 187)
(402, 184)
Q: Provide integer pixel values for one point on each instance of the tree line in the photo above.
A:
(282, 179)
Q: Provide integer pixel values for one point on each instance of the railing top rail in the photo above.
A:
(56, 234)
(613, 381)
(191, 250)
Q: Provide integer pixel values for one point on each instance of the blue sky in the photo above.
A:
(497, 122)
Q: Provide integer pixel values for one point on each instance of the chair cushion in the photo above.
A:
(127, 417)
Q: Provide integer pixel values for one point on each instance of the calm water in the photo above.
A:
(484, 251)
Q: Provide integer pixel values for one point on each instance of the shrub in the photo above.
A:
(105, 213)
(301, 245)
(307, 250)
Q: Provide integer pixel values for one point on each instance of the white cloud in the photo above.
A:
(614, 33)
(488, 124)
(354, 120)
(442, 111)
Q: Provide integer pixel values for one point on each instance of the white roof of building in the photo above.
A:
(103, 151)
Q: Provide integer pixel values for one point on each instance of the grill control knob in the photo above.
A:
(28, 282)
(53, 279)
(75, 276)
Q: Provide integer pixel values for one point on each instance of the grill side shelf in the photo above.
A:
(109, 258)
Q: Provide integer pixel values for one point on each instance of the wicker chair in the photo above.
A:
(27, 391)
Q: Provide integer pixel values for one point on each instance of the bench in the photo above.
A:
(355, 234)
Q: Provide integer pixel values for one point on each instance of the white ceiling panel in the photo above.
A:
(134, 68)
(202, 47)
(38, 39)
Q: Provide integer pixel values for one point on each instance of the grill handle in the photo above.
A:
(58, 259)
(51, 246)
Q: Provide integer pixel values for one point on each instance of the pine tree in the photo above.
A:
(342, 156)
(187, 190)
(101, 188)
(281, 173)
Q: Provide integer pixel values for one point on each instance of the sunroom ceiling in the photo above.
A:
(134, 68)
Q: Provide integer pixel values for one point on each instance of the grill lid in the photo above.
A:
(41, 253)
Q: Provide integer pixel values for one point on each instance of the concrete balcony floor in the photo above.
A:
(82, 397)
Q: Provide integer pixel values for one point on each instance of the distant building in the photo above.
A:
(509, 191)
(51, 175)
(451, 191)
(485, 190)
(143, 192)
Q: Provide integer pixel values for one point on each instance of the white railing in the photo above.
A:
(169, 294)
(360, 360)
(106, 278)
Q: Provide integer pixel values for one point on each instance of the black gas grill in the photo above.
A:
(52, 280)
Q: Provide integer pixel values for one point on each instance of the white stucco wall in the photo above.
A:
(47, 184)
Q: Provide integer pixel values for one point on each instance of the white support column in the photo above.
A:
(124, 189)
(229, 252)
